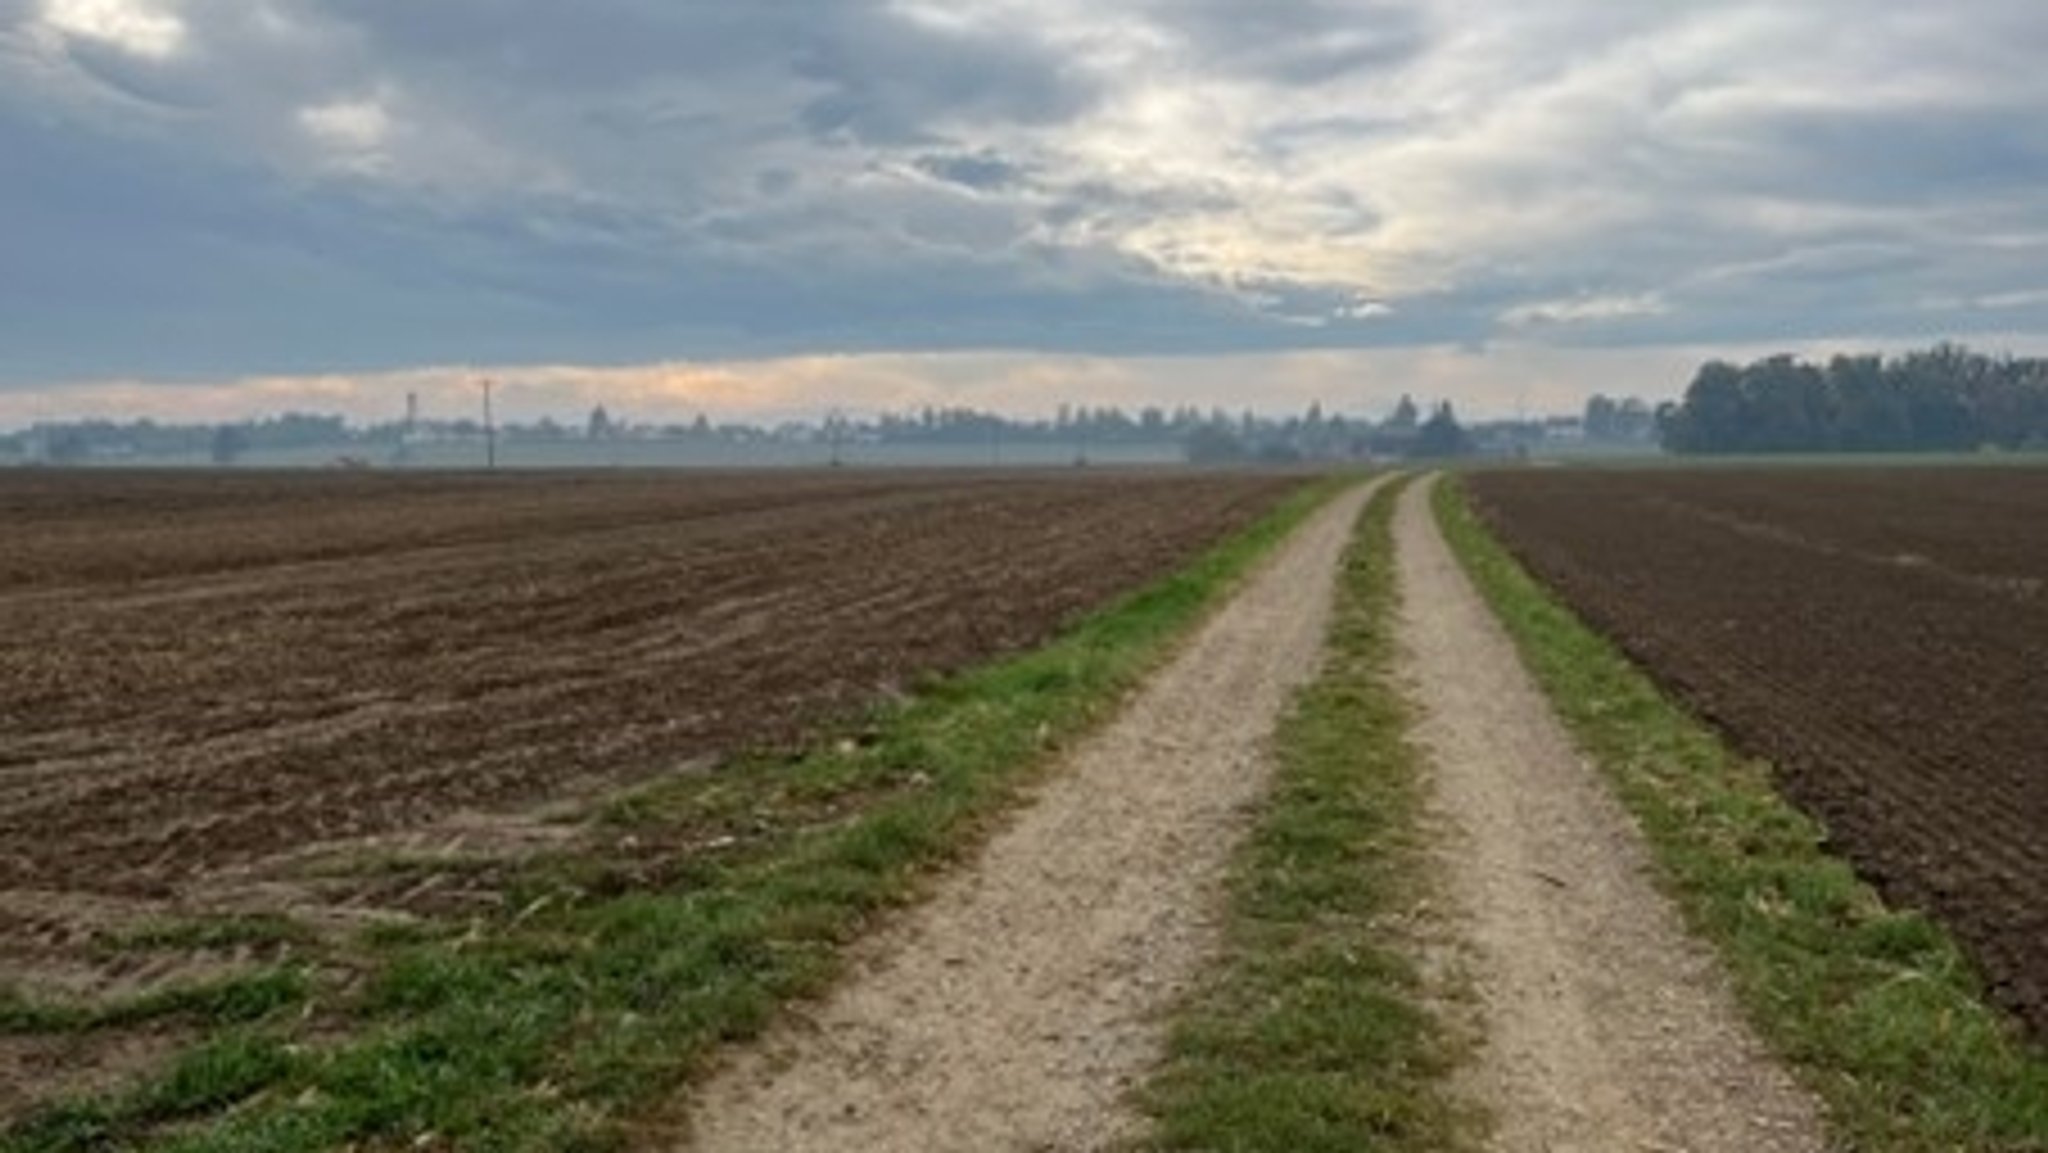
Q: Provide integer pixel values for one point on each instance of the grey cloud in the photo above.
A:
(627, 179)
(775, 182)
(983, 171)
(555, 46)
(1891, 156)
(1299, 42)
(148, 82)
(891, 82)
(1116, 204)
(205, 272)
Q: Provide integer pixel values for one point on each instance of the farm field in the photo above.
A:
(206, 677)
(1876, 635)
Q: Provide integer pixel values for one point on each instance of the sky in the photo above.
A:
(216, 208)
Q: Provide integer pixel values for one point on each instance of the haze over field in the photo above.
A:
(214, 208)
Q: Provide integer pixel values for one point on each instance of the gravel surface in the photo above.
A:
(1606, 1026)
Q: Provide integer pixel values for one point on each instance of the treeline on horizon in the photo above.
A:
(1206, 436)
(1942, 399)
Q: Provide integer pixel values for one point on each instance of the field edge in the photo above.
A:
(1876, 1010)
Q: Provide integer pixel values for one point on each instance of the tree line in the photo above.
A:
(1942, 399)
(1211, 436)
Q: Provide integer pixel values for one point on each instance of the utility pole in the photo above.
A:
(490, 430)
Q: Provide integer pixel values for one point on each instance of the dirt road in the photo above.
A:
(1607, 1027)
(1015, 1009)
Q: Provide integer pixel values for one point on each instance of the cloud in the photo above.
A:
(138, 27)
(353, 132)
(221, 189)
(1583, 310)
(1296, 43)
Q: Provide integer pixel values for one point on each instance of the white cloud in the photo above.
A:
(1584, 310)
(1364, 309)
(141, 27)
(351, 134)
(2023, 298)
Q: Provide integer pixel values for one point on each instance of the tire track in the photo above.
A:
(1607, 1027)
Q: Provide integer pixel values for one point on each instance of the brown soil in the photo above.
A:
(1605, 1025)
(1015, 1010)
(217, 670)
(37, 1069)
(218, 691)
(1877, 636)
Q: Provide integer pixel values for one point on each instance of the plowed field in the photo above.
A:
(1882, 637)
(198, 673)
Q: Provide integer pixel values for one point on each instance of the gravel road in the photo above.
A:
(1607, 1027)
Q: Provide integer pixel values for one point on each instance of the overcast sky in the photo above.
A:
(783, 205)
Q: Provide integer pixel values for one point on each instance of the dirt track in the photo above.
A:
(1014, 1010)
(1607, 1027)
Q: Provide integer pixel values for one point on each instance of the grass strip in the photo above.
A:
(1876, 1009)
(598, 992)
(1313, 1032)
(211, 933)
(231, 1000)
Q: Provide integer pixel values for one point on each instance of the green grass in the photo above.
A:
(228, 1001)
(227, 1068)
(1314, 1030)
(1875, 1009)
(604, 983)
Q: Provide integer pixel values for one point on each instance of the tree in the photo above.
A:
(1405, 415)
(1943, 399)
(1710, 418)
(1441, 435)
(66, 447)
(1213, 444)
(1870, 414)
(1601, 418)
(230, 441)
(1634, 420)
(600, 425)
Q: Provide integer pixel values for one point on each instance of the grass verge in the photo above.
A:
(1875, 1009)
(228, 1001)
(605, 982)
(1313, 1032)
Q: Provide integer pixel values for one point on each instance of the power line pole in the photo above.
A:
(490, 430)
